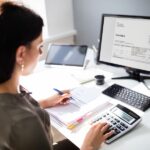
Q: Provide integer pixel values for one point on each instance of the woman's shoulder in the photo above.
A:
(17, 107)
(14, 107)
(13, 111)
(19, 123)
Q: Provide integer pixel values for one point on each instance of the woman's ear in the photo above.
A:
(20, 55)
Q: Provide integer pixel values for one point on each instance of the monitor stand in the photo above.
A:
(134, 74)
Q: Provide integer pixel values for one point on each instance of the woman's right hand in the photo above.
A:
(96, 136)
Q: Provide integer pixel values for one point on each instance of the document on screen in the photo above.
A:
(131, 42)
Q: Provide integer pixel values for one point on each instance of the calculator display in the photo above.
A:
(123, 115)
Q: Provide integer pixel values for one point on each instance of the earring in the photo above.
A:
(22, 67)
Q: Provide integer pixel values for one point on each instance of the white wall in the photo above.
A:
(39, 7)
(60, 18)
(57, 16)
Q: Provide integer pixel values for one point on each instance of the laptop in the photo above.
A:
(66, 56)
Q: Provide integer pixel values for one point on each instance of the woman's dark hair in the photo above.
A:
(18, 26)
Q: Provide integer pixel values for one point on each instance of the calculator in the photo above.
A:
(120, 119)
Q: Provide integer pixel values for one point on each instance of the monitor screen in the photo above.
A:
(72, 55)
(125, 41)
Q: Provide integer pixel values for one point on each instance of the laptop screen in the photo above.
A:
(72, 55)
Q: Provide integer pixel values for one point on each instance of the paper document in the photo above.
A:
(86, 102)
(85, 94)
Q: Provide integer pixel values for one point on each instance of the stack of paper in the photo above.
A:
(79, 108)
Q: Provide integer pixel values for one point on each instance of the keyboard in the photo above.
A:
(128, 96)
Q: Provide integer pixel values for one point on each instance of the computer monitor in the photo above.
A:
(125, 41)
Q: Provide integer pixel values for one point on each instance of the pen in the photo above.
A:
(71, 98)
(58, 91)
(86, 64)
(61, 93)
(94, 49)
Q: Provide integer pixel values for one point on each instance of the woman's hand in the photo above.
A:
(96, 136)
(56, 99)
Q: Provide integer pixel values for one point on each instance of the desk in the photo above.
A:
(137, 139)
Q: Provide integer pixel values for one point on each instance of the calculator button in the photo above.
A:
(117, 131)
(117, 120)
(114, 123)
(108, 118)
(112, 117)
(124, 125)
(104, 115)
(99, 119)
(120, 127)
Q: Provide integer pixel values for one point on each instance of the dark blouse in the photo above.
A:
(23, 124)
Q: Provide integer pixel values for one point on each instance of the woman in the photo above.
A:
(24, 125)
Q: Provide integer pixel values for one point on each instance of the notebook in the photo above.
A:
(66, 55)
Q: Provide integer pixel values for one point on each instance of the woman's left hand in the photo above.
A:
(56, 99)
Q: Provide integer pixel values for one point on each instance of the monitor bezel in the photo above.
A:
(100, 39)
